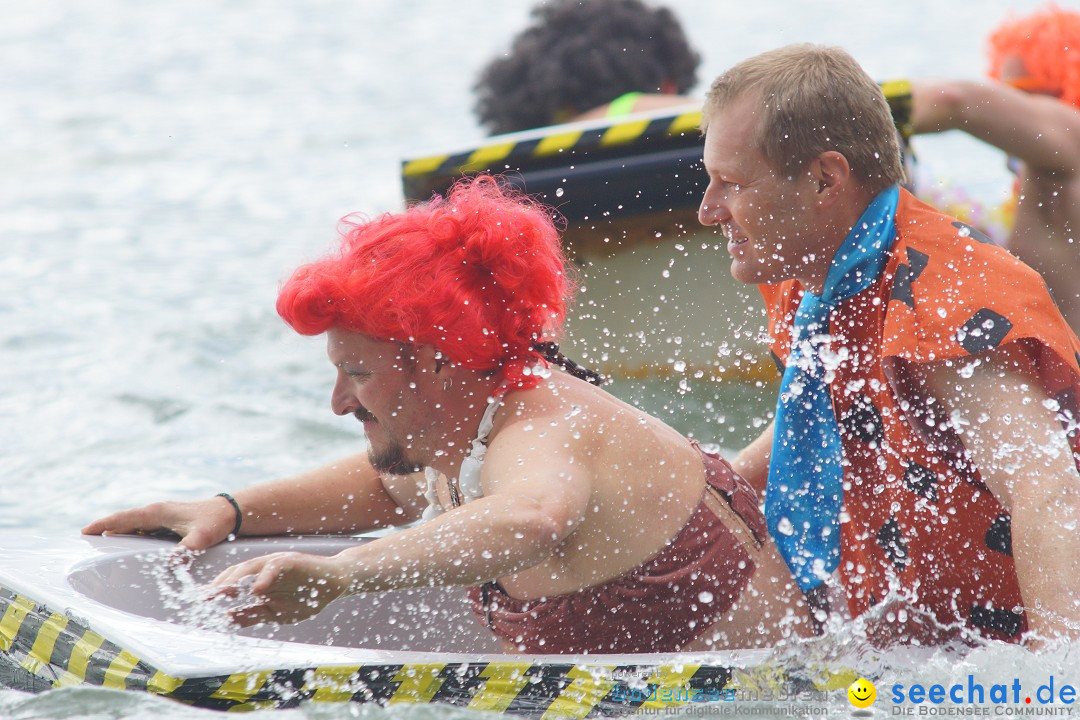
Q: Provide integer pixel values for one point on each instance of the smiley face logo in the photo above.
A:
(862, 693)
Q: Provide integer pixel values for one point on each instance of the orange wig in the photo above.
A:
(1048, 43)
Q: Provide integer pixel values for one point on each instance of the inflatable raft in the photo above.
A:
(109, 612)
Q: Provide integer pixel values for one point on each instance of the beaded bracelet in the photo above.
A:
(236, 507)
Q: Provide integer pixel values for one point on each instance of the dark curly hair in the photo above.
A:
(581, 54)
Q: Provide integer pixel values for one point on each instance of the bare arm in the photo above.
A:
(1040, 130)
(753, 461)
(346, 496)
(343, 497)
(534, 498)
(1024, 458)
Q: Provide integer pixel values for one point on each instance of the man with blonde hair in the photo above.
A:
(925, 437)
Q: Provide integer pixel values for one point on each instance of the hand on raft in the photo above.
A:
(200, 524)
(288, 587)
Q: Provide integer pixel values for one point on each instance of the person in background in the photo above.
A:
(580, 523)
(1031, 111)
(582, 59)
(926, 436)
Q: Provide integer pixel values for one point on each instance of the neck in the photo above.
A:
(461, 408)
(836, 223)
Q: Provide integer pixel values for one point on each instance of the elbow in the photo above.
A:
(535, 527)
(544, 531)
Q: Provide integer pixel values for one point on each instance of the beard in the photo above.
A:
(393, 460)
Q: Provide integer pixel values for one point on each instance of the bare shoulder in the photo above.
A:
(570, 427)
(565, 413)
(553, 419)
(575, 430)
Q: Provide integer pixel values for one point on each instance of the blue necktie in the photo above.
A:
(806, 474)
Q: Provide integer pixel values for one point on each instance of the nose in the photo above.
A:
(342, 400)
(712, 210)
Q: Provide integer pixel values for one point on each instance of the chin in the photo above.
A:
(745, 274)
(755, 273)
(392, 460)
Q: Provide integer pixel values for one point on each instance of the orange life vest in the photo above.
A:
(916, 510)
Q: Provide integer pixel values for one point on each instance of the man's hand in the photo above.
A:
(287, 587)
(199, 524)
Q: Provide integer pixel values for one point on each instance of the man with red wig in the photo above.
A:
(580, 523)
(1032, 112)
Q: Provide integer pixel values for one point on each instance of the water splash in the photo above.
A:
(198, 604)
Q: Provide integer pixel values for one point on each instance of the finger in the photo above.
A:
(252, 615)
(232, 575)
(144, 519)
(268, 576)
(227, 577)
(119, 522)
(180, 557)
(198, 538)
(229, 592)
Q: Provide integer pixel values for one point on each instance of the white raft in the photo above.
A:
(96, 611)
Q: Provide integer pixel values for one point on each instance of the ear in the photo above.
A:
(429, 359)
(832, 174)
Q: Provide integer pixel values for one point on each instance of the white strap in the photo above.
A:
(469, 473)
(431, 494)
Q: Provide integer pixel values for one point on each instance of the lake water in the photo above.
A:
(164, 165)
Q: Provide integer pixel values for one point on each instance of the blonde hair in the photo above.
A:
(815, 99)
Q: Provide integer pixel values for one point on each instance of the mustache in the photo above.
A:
(363, 415)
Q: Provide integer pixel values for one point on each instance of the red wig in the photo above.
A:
(479, 274)
(1048, 42)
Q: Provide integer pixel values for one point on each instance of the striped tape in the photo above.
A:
(41, 649)
(898, 95)
(506, 152)
(563, 141)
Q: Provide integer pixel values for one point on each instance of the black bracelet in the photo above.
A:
(236, 507)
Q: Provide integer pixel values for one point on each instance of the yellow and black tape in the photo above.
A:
(565, 145)
(898, 95)
(41, 649)
(561, 141)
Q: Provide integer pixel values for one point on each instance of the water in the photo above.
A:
(164, 166)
